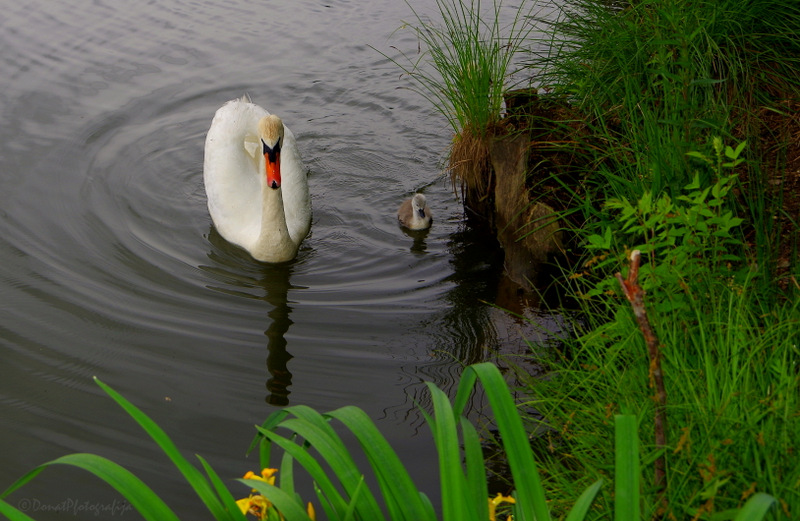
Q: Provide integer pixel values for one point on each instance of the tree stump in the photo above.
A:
(529, 232)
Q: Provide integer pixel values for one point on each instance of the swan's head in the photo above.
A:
(270, 130)
(418, 203)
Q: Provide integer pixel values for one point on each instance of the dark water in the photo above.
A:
(111, 267)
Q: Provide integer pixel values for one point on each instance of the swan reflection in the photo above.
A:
(239, 275)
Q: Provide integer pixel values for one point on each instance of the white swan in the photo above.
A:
(255, 181)
(414, 213)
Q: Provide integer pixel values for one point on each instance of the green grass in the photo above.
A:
(465, 65)
(732, 378)
(655, 78)
(731, 358)
(466, 59)
(661, 84)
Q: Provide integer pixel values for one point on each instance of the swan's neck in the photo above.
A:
(274, 243)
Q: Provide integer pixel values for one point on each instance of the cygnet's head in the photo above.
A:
(418, 203)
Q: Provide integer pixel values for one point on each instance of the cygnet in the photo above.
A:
(414, 213)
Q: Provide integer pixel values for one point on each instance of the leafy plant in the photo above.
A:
(345, 495)
(684, 239)
(655, 77)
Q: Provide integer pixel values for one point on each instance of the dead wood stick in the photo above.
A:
(635, 295)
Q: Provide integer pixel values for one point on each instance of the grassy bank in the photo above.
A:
(671, 127)
(689, 141)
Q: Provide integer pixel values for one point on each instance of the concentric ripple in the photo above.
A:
(112, 267)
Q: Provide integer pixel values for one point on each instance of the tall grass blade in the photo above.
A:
(22, 481)
(626, 486)
(264, 446)
(227, 499)
(286, 474)
(477, 486)
(328, 490)
(584, 501)
(316, 430)
(451, 475)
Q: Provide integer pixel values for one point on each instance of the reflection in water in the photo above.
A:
(234, 268)
(276, 284)
(487, 319)
(418, 245)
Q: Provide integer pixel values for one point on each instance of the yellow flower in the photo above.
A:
(500, 498)
(257, 505)
(267, 476)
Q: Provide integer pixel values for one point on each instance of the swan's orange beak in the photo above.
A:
(273, 162)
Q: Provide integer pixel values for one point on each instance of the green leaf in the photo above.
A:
(756, 507)
(21, 481)
(286, 474)
(222, 491)
(317, 431)
(287, 504)
(12, 513)
(139, 495)
(596, 242)
(451, 475)
(531, 503)
(697, 155)
(581, 506)
(734, 154)
(477, 486)
(191, 473)
(263, 445)
(739, 148)
(327, 489)
(403, 498)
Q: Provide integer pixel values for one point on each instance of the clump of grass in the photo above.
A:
(463, 71)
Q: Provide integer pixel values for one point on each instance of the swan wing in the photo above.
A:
(296, 197)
